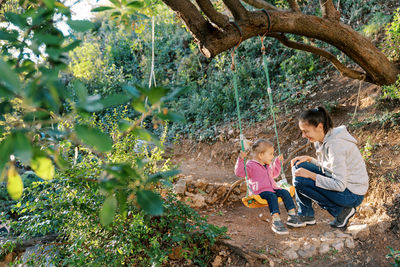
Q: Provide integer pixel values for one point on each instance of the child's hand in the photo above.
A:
(280, 157)
(243, 154)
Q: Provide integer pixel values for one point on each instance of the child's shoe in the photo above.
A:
(294, 221)
(279, 228)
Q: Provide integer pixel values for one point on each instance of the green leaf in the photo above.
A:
(14, 184)
(142, 134)
(49, 39)
(114, 100)
(135, 4)
(156, 93)
(80, 90)
(49, 3)
(16, 19)
(176, 93)
(6, 148)
(37, 115)
(80, 25)
(22, 147)
(146, 135)
(122, 171)
(132, 90)
(139, 106)
(60, 161)
(124, 125)
(43, 167)
(94, 137)
(171, 116)
(9, 77)
(108, 210)
(9, 36)
(150, 202)
(71, 46)
(101, 8)
(162, 175)
(122, 202)
(116, 3)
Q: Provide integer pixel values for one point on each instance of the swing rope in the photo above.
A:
(235, 86)
(271, 104)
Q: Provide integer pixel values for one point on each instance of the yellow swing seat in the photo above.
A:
(255, 201)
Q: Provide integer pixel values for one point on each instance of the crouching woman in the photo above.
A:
(337, 179)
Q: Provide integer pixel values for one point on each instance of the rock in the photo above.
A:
(329, 235)
(349, 243)
(338, 246)
(360, 232)
(198, 201)
(201, 184)
(307, 253)
(342, 235)
(382, 226)
(315, 242)
(290, 254)
(324, 248)
(180, 187)
(367, 211)
(217, 261)
(294, 245)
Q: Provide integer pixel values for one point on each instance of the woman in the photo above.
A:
(337, 180)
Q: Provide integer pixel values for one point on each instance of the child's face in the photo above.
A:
(267, 155)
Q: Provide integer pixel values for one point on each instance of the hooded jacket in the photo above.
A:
(260, 177)
(341, 161)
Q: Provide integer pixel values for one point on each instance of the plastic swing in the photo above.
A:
(252, 200)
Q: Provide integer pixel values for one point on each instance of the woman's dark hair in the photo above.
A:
(316, 116)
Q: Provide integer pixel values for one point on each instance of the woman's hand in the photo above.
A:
(300, 159)
(280, 157)
(301, 172)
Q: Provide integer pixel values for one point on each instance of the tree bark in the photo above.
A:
(212, 40)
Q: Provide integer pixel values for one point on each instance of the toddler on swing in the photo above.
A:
(261, 171)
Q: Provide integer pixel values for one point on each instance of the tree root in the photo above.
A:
(251, 257)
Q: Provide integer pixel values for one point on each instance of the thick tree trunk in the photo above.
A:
(213, 40)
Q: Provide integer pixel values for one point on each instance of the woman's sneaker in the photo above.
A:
(279, 228)
(308, 220)
(294, 221)
(343, 218)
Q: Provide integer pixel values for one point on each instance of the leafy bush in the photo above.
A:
(395, 255)
(391, 45)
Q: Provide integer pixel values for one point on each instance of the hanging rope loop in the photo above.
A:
(237, 45)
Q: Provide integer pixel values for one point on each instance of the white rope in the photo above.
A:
(152, 75)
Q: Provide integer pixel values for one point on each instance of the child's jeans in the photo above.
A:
(272, 198)
(332, 201)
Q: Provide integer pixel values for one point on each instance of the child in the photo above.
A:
(261, 171)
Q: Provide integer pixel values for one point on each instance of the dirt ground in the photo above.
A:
(250, 228)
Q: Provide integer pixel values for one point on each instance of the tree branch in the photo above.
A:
(219, 19)
(328, 10)
(238, 11)
(361, 50)
(294, 6)
(315, 50)
(261, 4)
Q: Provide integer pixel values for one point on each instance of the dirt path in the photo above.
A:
(250, 230)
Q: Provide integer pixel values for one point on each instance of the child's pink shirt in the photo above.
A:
(260, 178)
